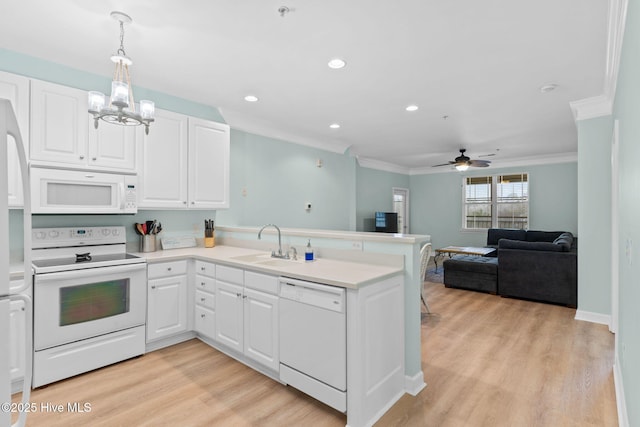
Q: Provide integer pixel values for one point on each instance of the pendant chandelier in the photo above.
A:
(121, 109)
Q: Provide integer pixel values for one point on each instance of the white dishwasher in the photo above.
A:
(313, 340)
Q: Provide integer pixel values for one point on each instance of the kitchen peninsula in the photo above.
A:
(239, 296)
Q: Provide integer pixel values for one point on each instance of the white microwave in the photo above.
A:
(64, 191)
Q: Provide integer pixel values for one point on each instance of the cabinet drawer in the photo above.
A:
(230, 274)
(166, 269)
(206, 268)
(261, 282)
(206, 284)
(205, 299)
(205, 322)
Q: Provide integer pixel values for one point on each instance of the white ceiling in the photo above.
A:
(480, 63)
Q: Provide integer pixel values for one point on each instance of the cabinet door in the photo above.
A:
(205, 321)
(16, 89)
(59, 129)
(261, 328)
(112, 146)
(208, 164)
(162, 163)
(167, 307)
(17, 337)
(229, 315)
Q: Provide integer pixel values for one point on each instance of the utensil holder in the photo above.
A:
(209, 239)
(148, 243)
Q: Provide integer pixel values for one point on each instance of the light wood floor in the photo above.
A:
(488, 361)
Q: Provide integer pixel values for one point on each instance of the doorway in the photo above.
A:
(401, 207)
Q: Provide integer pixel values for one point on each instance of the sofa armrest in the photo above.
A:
(538, 275)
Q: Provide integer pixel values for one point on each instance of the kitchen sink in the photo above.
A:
(252, 258)
(277, 262)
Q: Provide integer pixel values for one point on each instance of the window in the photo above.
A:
(499, 201)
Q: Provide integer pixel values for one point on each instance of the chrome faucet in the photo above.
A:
(273, 253)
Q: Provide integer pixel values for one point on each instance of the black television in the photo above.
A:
(387, 222)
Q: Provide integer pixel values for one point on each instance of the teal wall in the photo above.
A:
(594, 215)
(374, 193)
(436, 202)
(627, 111)
(272, 180)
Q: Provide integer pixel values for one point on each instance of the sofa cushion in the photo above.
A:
(565, 240)
(529, 246)
(542, 236)
(495, 234)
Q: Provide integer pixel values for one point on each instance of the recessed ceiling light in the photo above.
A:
(334, 126)
(548, 87)
(337, 63)
(251, 98)
(411, 107)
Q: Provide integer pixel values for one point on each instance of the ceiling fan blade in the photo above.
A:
(479, 163)
(487, 155)
(444, 164)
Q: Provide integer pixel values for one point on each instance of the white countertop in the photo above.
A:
(346, 274)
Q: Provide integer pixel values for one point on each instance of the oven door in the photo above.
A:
(74, 305)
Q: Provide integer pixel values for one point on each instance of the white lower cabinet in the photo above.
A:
(17, 337)
(261, 327)
(247, 314)
(167, 299)
(204, 314)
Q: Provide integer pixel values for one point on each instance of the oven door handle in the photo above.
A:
(88, 272)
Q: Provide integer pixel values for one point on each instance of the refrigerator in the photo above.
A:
(10, 134)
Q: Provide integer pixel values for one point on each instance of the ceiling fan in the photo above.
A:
(463, 162)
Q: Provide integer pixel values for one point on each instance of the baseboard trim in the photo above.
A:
(588, 316)
(621, 403)
(414, 385)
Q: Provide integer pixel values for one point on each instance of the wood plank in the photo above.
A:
(488, 361)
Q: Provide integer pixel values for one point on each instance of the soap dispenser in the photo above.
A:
(308, 253)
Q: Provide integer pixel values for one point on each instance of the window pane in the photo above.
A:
(513, 201)
(478, 202)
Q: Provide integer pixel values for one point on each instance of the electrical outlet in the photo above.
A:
(356, 245)
(307, 206)
(244, 191)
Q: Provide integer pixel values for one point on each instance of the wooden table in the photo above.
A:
(461, 250)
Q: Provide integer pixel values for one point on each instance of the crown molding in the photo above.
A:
(507, 163)
(602, 105)
(382, 166)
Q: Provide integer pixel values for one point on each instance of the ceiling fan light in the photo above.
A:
(462, 167)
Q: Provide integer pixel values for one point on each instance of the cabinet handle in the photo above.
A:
(201, 283)
(202, 268)
(81, 157)
(153, 287)
(238, 294)
(203, 316)
(203, 299)
(244, 296)
(193, 203)
(184, 202)
(94, 158)
(168, 268)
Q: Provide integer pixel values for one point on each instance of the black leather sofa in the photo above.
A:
(536, 265)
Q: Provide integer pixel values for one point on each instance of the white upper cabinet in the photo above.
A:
(63, 132)
(208, 164)
(162, 162)
(59, 126)
(112, 146)
(184, 163)
(16, 89)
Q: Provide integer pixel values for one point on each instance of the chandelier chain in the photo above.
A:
(121, 49)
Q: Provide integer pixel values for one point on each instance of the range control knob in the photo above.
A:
(105, 231)
(40, 235)
(115, 232)
(54, 233)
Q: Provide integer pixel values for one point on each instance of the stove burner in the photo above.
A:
(83, 257)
